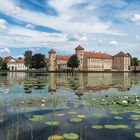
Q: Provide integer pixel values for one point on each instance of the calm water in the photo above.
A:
(89, 105)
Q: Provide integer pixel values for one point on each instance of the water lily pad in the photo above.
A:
(81, 116)
(115, 126)
(118, 118)
(114, 112)
(72, 113)
(76, 120)
(97, 127)
(71, 136)
(56, 137)
(137, 127)
(36, 118)
(59, 114)
(137, 135)
(52, 123)
(135, 117)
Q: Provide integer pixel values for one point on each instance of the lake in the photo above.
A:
(79, 106)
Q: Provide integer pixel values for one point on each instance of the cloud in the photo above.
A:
(113, 43)
(3, 24)
(4, 50)
(136, 18)
(76, 37)
(30, 26)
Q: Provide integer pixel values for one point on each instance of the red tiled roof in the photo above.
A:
(52, 51)
(121, 54)
(79, 47)
(97, 55)
(7, 58)
(62, 57)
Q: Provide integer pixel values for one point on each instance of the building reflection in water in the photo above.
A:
(79, 82)
(90, 82)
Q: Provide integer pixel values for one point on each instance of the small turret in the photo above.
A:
(52, 60)
(79, 50)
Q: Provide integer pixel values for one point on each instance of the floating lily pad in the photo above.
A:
(97, 127)
(36, 118)
(59, 114)
(115, 126)
(135, 117)
(137, 135)
(114, 112)
(56, 137)
(52, 123)
(72, 113)
(137, 127)
(76, 120)
(71, 136)
(118, 118)
(81, 116)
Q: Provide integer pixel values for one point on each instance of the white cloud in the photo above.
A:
(113, 43)
(4, 50)
(3, 24)
(136, 18)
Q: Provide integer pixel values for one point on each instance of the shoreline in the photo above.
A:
(70, 71)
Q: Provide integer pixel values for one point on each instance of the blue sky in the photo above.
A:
(39, 25)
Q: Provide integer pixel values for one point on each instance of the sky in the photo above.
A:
(108, 26)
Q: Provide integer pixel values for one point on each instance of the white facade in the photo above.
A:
(15, 65)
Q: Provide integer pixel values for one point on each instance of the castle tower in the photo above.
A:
(52, 58)
(80, 53)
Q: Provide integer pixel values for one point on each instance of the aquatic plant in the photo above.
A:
(36, 118)
(59, 114)
(52, 123)
(76, 120)
(71, 136)
(115, 126)
(56, 137)
(81, 116)
(97, 126)
(137, 135)
(72, 113)
(118, 118)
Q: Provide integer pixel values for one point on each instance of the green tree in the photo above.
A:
(73, 62)
(38, 61)
(4, 66)
(1, 60)
(28, 58)
(134, 61)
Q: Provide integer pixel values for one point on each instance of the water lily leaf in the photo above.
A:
(97, 127)
(59, 114)
(137, 127)
(72, 113)
(118, 118)
(56, 137)
(81, 116)
(98, 115)
(76, 120)
(137, 135)
(52, 123)
(71, 136)
(115, 126)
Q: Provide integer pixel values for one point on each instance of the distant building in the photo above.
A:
(91, 61)
(15, 64)
(121, 61)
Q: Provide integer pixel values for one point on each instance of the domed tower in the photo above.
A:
(79, 50)
(52, 60)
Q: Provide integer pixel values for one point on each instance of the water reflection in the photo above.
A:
(80, 82)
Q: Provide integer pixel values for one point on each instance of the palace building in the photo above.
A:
(91, 61)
